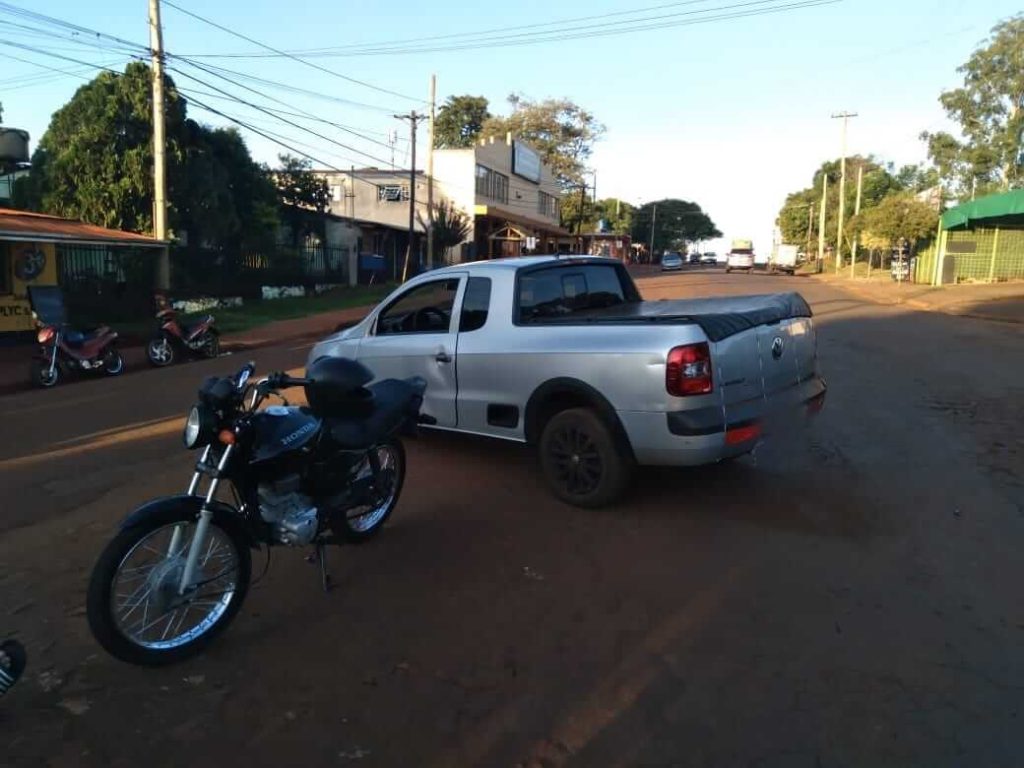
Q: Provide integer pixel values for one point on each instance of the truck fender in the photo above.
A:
(556, 395)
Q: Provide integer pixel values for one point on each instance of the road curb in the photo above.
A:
(917, 304)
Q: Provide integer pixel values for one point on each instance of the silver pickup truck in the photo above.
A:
(563, 353)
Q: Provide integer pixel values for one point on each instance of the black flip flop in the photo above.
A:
(15, 665)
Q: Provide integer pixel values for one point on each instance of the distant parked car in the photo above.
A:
(740, 259)
(671, 261)
(693, 258)
(709, 258)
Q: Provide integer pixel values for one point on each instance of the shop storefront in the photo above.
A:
(32, 247)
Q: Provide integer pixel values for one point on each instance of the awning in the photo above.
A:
(25, 226)
(495, 212)
(992, 210)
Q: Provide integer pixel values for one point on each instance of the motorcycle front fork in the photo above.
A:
(203, 523)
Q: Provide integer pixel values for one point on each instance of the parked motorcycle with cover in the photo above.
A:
(178, 570)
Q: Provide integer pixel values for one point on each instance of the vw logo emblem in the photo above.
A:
(778, 345)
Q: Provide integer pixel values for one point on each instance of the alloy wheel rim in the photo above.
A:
(577, 461)
(160, 350)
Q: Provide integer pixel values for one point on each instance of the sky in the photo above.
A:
(732, 114)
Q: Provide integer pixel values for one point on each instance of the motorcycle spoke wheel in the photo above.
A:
(144, 599)
(364, 521)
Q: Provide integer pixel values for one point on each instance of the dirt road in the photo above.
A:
(849, 598)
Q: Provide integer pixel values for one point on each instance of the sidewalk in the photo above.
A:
(1000, 302)
(15, 360)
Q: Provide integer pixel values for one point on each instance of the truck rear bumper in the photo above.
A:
(703, 436)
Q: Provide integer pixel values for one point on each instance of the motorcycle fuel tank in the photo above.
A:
(280, 430)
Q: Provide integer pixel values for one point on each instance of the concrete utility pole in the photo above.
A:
(821, 222)
(414, 120)
(845, 117)
(156, 45)
(810, 228)
(856, 237)
(430, 173)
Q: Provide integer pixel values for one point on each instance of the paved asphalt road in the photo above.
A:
(850, 597)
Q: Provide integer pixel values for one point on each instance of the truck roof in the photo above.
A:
(519, 262)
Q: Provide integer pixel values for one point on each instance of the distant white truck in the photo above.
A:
(784, 259)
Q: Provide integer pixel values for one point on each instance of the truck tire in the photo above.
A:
(581, 461)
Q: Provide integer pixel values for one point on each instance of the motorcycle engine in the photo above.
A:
(291, 513)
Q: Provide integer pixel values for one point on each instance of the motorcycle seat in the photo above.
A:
(392, 403)
(193, 328)
(76, 338)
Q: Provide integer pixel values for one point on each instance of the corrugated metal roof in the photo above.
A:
(41, 227)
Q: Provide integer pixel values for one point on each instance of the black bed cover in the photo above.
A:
(718, 316)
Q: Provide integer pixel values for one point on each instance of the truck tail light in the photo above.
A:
(688, 370)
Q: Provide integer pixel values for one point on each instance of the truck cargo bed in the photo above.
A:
(719, 317)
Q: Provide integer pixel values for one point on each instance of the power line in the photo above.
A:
(14, 10)
(480, 39)
(289, 55)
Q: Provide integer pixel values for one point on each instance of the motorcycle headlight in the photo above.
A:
(199, 427)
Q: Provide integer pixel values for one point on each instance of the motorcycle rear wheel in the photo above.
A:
(113, 364)
(362, 523)
(42, 376)
(133, 607)
(211, 348)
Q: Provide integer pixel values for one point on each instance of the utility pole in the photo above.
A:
(821, 222)
(845, 117)
(156, 46)
(414, 120)
(654, 221)
(430, 173)
(810, 227)
(856, 236)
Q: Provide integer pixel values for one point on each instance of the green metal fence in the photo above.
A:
(984, 254)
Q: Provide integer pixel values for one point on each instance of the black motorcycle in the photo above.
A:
(178, 570)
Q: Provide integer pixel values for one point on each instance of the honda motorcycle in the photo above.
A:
(177, 572)
(63, 350)
(200, 339)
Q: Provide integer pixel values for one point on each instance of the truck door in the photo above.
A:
(414, 335)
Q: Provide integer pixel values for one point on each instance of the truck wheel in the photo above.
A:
(580, 459)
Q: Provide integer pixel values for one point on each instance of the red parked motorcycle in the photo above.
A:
(200, 339)
(63, 350)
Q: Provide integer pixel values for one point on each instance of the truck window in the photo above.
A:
(565, 290)
(475, 304)
(426, 308)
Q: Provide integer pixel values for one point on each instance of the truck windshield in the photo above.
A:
(564, 290)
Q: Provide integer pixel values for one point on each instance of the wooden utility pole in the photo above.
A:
(414, 120)
(156, 46)
(430, 173)
(856, 236)
(845, 117)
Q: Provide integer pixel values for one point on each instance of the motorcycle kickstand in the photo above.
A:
(321, 556)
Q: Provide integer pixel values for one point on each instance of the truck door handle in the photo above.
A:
(443, 357)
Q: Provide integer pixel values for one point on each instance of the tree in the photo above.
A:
(898, 217)
(560, 130)
(301, 194)
(676, 223)
(616, 214)
(459, 121)
(879, 182)
(95, 163)
(95, 160)
(989, 109)
(450, 225)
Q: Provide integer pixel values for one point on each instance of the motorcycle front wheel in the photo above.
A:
(160, 351)
(42, 376)
(211, 347)
(113, 365)
(134, 607)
